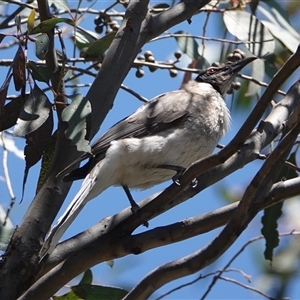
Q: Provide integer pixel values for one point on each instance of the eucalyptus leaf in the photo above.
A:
(30, 20)
(19, 69)
(97, 49)
(96, 292)
(187, 44)
(47, 25)
(60, 4)
(247, 27)
(41, 46)
(280, 29)
(77, 115)
(35, 112)
(258, 72)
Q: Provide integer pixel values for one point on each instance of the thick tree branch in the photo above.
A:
(157, 237)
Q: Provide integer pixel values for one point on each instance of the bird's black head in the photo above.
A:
(222, 77)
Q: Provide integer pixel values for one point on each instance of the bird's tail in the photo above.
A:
(68, 217)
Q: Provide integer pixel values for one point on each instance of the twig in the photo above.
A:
(7, 179)
(174, 35)
(248, 287)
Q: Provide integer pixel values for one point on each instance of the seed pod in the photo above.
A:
(115, 28)
(216, 64)
(141, 58)
(148, 54)
(139, 73)
(239, 51)
(98, 21)
(150, 59)
(173, 73)
(177, 54)
(236, 85)
(237, 56)
(99, 29)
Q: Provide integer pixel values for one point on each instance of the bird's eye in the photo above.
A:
(211, 71)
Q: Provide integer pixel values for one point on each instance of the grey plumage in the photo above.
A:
(175, 129)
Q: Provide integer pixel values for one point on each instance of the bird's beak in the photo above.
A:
(235, 67)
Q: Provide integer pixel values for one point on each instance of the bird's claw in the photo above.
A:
(175, 179)
(177, 176)
(134, 209)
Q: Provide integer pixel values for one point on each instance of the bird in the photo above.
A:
(154, 144)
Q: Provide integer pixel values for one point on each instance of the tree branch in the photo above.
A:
(136, 244)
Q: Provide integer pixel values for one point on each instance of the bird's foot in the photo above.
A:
(134, 209)
(176, 177)
(179, 171)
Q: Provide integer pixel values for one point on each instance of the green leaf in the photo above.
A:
(202, 63)
(87, 277)
(68, 296)
(275, 5)
(269, 230)
(41, 46)
(77, 115)
(281, 30)
(39, 72)
(36, 143)
(110, 263)
(60, 4)
(19, 69)
(18, 22)
(97, 49)
(48, 25)
(3, 93)
(35, 112)
(11, 112)
(258, 72)
(30, 20)
(98, 292)
(188, 44)
(273, 213)
(247, 27)
(84, 39)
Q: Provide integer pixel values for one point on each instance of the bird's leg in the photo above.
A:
(134, 205)
(179, 171)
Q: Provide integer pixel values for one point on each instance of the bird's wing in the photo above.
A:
(159, 114)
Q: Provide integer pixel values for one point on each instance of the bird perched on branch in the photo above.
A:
(158, 141)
